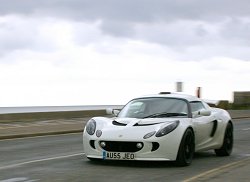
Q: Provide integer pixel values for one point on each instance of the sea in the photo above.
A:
(31, 109)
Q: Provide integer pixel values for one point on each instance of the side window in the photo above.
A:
(196, 106)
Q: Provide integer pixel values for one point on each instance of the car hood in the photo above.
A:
(104, 122)
(131, 128)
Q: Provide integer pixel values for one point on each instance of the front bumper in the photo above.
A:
(154, 149)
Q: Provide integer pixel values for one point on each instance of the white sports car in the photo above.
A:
(161, 127)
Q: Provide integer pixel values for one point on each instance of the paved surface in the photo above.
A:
(40, 128)
(235, 170)
(61, 158)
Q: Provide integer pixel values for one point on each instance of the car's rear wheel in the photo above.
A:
(227, 146)
(186, 149)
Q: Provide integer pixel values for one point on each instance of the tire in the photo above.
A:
(186, 149)
(227, 145)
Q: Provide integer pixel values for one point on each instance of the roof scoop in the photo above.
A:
(164, 93)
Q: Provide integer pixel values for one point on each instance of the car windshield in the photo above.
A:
(155, 108)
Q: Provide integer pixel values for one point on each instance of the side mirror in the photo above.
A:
(201, 113)
(111, 111)
(204, 112)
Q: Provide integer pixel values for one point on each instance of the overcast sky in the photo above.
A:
(81, 52)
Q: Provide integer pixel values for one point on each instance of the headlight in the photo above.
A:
(91, 126)
(169, 128)
(149, 134)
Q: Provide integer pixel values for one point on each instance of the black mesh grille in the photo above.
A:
(114, 146)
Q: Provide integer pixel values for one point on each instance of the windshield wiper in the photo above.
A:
(165, 114)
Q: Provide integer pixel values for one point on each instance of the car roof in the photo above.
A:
(189, 98)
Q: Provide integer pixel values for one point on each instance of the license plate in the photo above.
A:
(118, 155)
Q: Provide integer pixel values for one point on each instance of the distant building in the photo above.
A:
(198, 92)
(179, 86)
(242, 98)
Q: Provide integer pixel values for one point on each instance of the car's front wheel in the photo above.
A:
(186, 149)
(227, 146)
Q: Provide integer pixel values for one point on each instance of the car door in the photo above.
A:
(203, 125)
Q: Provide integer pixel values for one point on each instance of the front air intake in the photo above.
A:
(92, 143)
(119, 146)
(155, 146)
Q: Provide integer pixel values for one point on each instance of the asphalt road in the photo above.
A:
(61, 158)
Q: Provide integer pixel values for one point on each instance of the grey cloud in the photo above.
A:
(180, 34)
(148, 20)
(129, 10)
(236, 31)
(85, 34)
(118, 28)
(14, 37)
(123, 13)
(18, 34)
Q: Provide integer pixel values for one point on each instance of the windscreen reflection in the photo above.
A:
(155, 108)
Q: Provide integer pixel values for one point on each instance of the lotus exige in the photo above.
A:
(161, 127)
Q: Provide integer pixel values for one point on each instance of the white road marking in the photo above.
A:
(14, 179)
(246, 129)
(37, 124)
(40, 160)
(41, 136)
(21, 179)
(216, 171)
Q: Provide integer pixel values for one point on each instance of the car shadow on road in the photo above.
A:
(136, 164)
(147, 164)
(206, 154)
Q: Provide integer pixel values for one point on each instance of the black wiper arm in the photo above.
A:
(165, 114)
